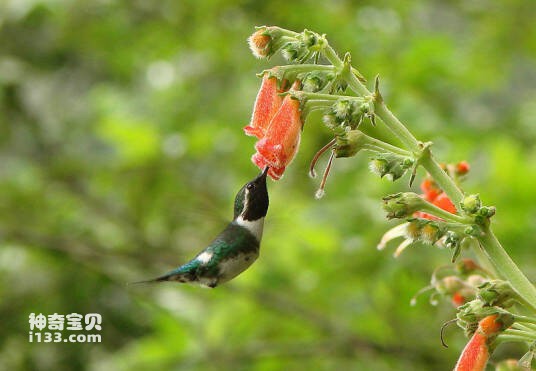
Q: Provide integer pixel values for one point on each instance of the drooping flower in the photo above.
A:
(281, 139)
(266, 105)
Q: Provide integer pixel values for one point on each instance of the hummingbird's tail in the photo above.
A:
(154, 280)
(181, 274)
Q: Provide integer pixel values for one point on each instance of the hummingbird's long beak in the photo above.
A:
(262, 176)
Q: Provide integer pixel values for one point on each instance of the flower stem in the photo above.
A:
(506, 338)
(506, 267)
(379, 145)
(392, 123)
(444, 181)
(443, 214)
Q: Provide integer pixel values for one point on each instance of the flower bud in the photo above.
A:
(462, 168)
(473, 311)
(452, 240)
(475, 280)
(350, 143)
(470, 204)
(486, 211)
(260, 44)
(402, 205)
(379, 166)
(457, 299)
(267, 40)
(387, 165)
(496, 293)
(449, 285)
(314, 81)
(466, 266)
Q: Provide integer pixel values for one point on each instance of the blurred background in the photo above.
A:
(121, 150)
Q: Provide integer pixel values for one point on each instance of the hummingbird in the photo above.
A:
(235, 248)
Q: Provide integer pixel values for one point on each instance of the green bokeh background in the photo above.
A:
(121, 149)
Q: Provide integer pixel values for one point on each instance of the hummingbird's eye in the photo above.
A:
(250, 186)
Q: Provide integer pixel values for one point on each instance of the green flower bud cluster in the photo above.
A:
(304, 46)
(315, 81)
(349, 143)
(402, 205)
(344, 114)
(389, 165)
(496, 292)
(472, 205)
(472, 312)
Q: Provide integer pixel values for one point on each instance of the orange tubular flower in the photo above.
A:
(266, 106)
(475, 355)
(436, 196)
(281, 139)
(442, 201)
(457, 299)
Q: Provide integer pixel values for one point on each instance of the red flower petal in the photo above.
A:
(274, 172)
(443, 201)
(475, 355)
(282, 139)
(266, 106)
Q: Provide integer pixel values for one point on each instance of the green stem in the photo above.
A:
(443, 214)
(505, 338)
(323, 96)
(379, 145)
(392, 123)
(526, 321)
(303, 68)
(506, 268)
(519, 332)
(524, 327)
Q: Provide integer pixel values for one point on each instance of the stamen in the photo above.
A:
(443, 330)
(413, 300)
(320, 192)
(312, 172)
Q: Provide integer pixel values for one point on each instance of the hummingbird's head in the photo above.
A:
(251, 202)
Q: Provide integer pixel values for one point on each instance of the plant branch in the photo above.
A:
(507, 269)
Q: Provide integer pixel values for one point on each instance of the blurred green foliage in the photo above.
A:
(121, 149)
